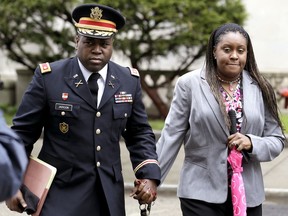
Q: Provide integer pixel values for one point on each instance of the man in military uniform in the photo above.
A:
(82, 126)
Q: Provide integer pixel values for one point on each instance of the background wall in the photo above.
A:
(267, 26)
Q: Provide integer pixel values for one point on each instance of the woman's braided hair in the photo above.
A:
(251, 67)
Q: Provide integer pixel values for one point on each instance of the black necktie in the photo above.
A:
(93, 86)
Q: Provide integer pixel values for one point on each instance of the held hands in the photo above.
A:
(240, 141)
(17, 202)
(145, 191)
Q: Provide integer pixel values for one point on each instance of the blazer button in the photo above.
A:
(98, 164)
(125, 115)
(98, 114)
(98, 131)
(98, 148)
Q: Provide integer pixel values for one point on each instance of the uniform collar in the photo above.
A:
(86, 73)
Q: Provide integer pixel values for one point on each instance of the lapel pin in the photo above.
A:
(78, 83)
(111, 84)
(76, 75)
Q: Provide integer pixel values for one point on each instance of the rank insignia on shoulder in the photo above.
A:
(134, 72)
(45, 67)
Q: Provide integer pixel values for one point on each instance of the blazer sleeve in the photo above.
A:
(175, 128)
(271, 143)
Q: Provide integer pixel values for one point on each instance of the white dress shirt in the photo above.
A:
(101, 81)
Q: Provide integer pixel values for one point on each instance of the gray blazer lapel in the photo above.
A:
(213, 103)
(251, 99)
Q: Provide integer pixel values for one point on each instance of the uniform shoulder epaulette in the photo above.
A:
(45, 67)
(134, 72)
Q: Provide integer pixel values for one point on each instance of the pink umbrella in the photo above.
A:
(237, 184)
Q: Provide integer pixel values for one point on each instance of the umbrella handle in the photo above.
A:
(145, 209)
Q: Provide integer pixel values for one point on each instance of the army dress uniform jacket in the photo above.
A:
(81, 139)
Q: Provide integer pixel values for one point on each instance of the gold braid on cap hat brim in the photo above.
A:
(94, 32)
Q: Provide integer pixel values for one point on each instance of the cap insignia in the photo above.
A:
(96, 13)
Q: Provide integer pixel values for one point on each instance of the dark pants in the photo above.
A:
(191, 207)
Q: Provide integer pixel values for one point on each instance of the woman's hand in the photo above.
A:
(240, 141)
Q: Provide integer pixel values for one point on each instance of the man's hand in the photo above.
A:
(17, 202)
(145, 191)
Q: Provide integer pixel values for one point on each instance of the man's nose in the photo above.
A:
(96, 48)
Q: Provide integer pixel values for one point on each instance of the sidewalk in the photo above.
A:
(275, 176)
(275, 180)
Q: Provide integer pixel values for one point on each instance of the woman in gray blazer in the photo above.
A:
(198, 118)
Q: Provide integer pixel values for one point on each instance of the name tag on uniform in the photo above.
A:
(63, 107)
(123, 97)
